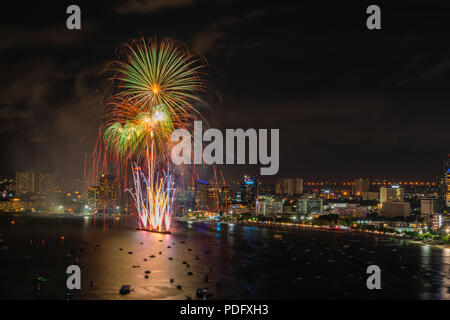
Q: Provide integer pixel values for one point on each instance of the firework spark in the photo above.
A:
(155, 87)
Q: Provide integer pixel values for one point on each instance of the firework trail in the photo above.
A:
(156, 84)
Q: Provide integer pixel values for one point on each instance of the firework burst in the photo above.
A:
(155, 87)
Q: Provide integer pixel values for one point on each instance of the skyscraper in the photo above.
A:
(389, 194)
(225, 198)
(361, 186)
(447, 180)
(249, 189)
(93, 197)
(441, 202)
(427, 206)
(46, 183)
(289, 186)
(107, 191)
(201, 195)
(25, 182)
(298, 186)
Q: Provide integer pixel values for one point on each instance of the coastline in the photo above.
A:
(292, 226)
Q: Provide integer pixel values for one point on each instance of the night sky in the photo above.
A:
(348, 101)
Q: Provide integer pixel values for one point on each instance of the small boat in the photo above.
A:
(203, 293)
(125, 289)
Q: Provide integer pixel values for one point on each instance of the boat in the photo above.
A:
(203, 293)
(125, 289)
(155, 231)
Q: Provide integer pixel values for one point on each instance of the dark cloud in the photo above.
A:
(144, 6)
(347, 101)
(12, 37)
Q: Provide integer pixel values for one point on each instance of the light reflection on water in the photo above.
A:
(239, 262)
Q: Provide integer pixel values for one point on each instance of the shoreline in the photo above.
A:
(276, 225)
(291, 226)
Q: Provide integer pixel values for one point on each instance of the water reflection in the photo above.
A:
(231, 260)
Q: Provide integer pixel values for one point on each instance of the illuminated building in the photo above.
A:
(16, 205)
(107, 191)
(289, 207)
(298, 186)
(370, 195)
(309, 205)
(46, 183)
(212, 199)
(25, 182)
(201, 194)
(436, 221)
(361, 185)
(427, 206)
(268, 206)
(289, 186)
(185, 199)
(391, 193)
(225, 198)
(278, 189)
(249, 189)
(93, 197)
(441, 204)
(236, 209)
(447, 180)
(350, 211)
(395, 208)
(237, 197)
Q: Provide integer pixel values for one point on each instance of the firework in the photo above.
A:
(155, 87)
(152, 79)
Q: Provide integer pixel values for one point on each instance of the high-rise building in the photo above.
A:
(107, 191)
(225, 198)
(212, 199)
(249, 189)
(309, 205)
(46, 183)
(266, 205)
(391, 193)
(395, 208)
(289, 186)
(25, 182)
(370, 195)
(436, 221)
(441, 202)
(427, 206)
(185, 199)
(93, 197)
(278, 188)
(447, 180)
(201, 195)
(361, 186)
(298, 186)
